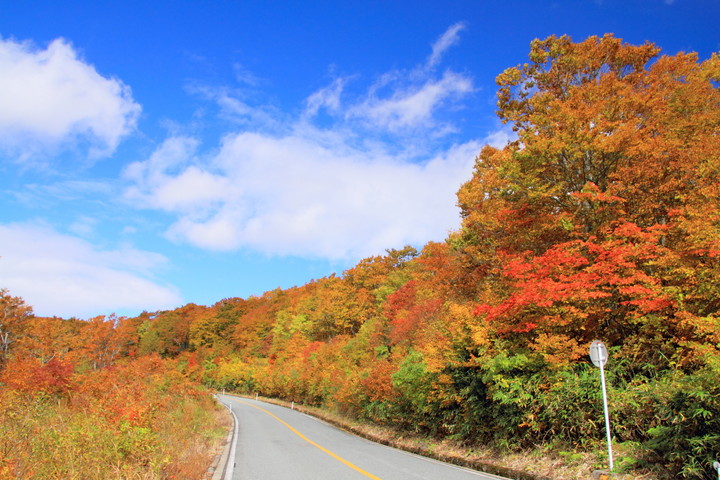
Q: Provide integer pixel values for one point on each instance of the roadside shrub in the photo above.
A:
(142, 419)
(686, 438)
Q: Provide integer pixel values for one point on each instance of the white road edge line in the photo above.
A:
(230, 462)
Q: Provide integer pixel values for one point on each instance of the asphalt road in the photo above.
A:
(277, 443)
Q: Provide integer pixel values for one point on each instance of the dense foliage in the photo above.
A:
(78, 403)
(600, 221)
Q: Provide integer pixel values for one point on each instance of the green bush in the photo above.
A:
(687, 438)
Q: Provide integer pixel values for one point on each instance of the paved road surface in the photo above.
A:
(276, 443)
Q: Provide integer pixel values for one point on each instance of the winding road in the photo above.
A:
(277, 443)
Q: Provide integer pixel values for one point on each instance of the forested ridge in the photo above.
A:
(601, 220)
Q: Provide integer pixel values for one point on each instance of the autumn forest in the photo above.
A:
(600, 220)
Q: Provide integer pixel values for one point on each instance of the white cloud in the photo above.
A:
(501, 137)
(245, 76)
(380, 173)
(446, 40)
(66, 276)
(414, 106)
(170, 182)
(300, 195)
(234, 105)
(51, 97)
(172, 154)
(402, 102)
(39, 195)
(83, 226)
(327, 97)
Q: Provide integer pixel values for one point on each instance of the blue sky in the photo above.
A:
(158, 153)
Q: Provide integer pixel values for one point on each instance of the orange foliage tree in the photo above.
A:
(602, 215)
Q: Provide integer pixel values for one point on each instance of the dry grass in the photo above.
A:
(138, 421)
(194, 457)
(213, 452)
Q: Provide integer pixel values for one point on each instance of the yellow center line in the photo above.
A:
(335, 456)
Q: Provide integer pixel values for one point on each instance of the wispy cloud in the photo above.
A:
(413, 106)
(41, 195)
(327, 97)
(378, 174)
(51, 97)
(236, 107)
(64, 275)
(401, 101)
(245, 76)
(446, 40)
